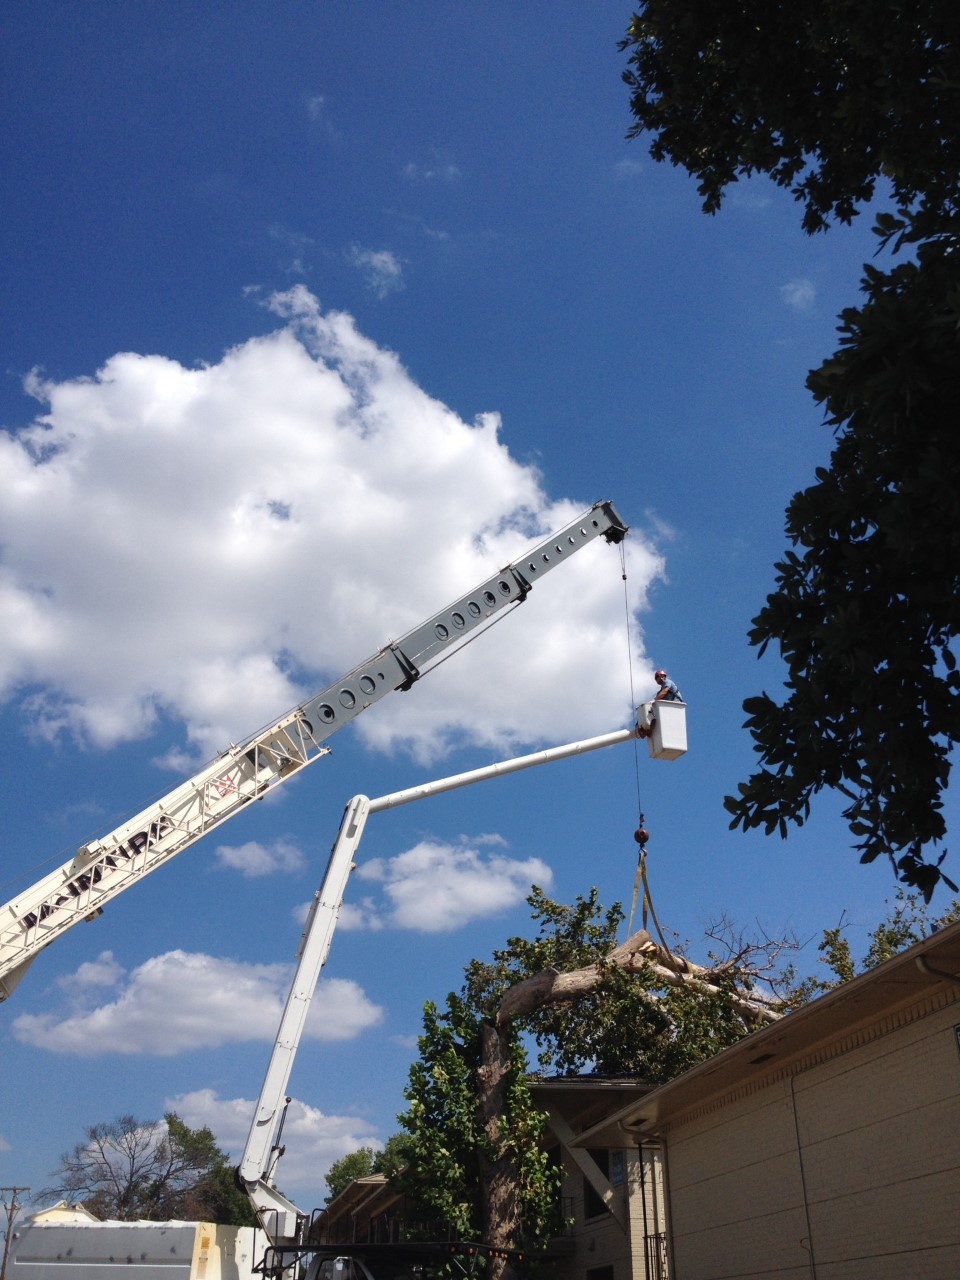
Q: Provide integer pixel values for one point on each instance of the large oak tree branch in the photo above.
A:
(640, 952)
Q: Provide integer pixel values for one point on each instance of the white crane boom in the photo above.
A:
(103, 868)
(280, 1218)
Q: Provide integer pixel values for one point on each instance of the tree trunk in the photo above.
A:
(501, 1209)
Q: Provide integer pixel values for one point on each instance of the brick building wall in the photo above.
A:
(845, 1165)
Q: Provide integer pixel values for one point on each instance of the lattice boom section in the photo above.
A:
(105, 867)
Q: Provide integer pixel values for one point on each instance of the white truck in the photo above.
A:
(60, 1244)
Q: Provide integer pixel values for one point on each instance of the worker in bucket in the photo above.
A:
(668, 690)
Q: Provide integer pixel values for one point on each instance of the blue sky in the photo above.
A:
(312, 316)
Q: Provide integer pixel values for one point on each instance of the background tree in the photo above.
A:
(845, 102)
(128, 1169)
(366, 1161)
(907, 921)
(356, 1164)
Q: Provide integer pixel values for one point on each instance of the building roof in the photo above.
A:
(929, 967)
(590, 1105)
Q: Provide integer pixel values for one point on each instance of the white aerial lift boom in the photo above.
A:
(283, 1223)
(103, 868)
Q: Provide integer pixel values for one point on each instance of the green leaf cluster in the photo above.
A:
(389, 1160)
(443, 1120)
(907, 921)
(630, 1024)
(829, 98)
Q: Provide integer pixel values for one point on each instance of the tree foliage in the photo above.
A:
(365, 1161)
(356, 1164)
(827, 97)
(629, 1024)
(867, 616)
(844, 102)
(127, 1169)
(907, 921)
(451, 1149)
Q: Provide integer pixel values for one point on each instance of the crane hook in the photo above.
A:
(642, 835)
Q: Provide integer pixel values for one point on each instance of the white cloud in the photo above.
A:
(749, 196)
(364, 914)
(313, 1139)
(180, 1002)
(254, 859)
(105, 971)
(799, 294)
(381, 269)
(437, 888)
(318, 113)
(214, 544)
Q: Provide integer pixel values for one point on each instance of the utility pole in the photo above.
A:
(13, 1208)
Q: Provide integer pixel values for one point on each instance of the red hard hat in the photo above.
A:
(658, 674)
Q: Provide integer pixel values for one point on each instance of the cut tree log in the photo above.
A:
(639, 952)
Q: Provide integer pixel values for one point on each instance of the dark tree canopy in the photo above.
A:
(827, 97)
(844, 102)
(867, 615)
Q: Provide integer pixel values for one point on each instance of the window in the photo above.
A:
(600, 1273)
(593, 1206)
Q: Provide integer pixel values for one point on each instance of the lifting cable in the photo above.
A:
(641, 835)
(641, 872)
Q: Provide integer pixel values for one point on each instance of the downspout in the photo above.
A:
(656, 1146)
(803, 1180)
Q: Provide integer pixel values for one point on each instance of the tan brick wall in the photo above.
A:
(851, 1167)
(600, 1241)
(880, 1129)
(735, 1193)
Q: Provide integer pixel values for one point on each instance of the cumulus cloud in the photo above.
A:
(799, 294)
(180, 1002)
(211, 545)
(254, 859)
(314, 1140)
(105, 971)
(381, 269)
(436, 888)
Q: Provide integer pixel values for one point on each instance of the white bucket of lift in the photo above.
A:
(668, 729)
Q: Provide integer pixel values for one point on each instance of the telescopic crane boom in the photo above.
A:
(100, 870)
(283, 1223)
